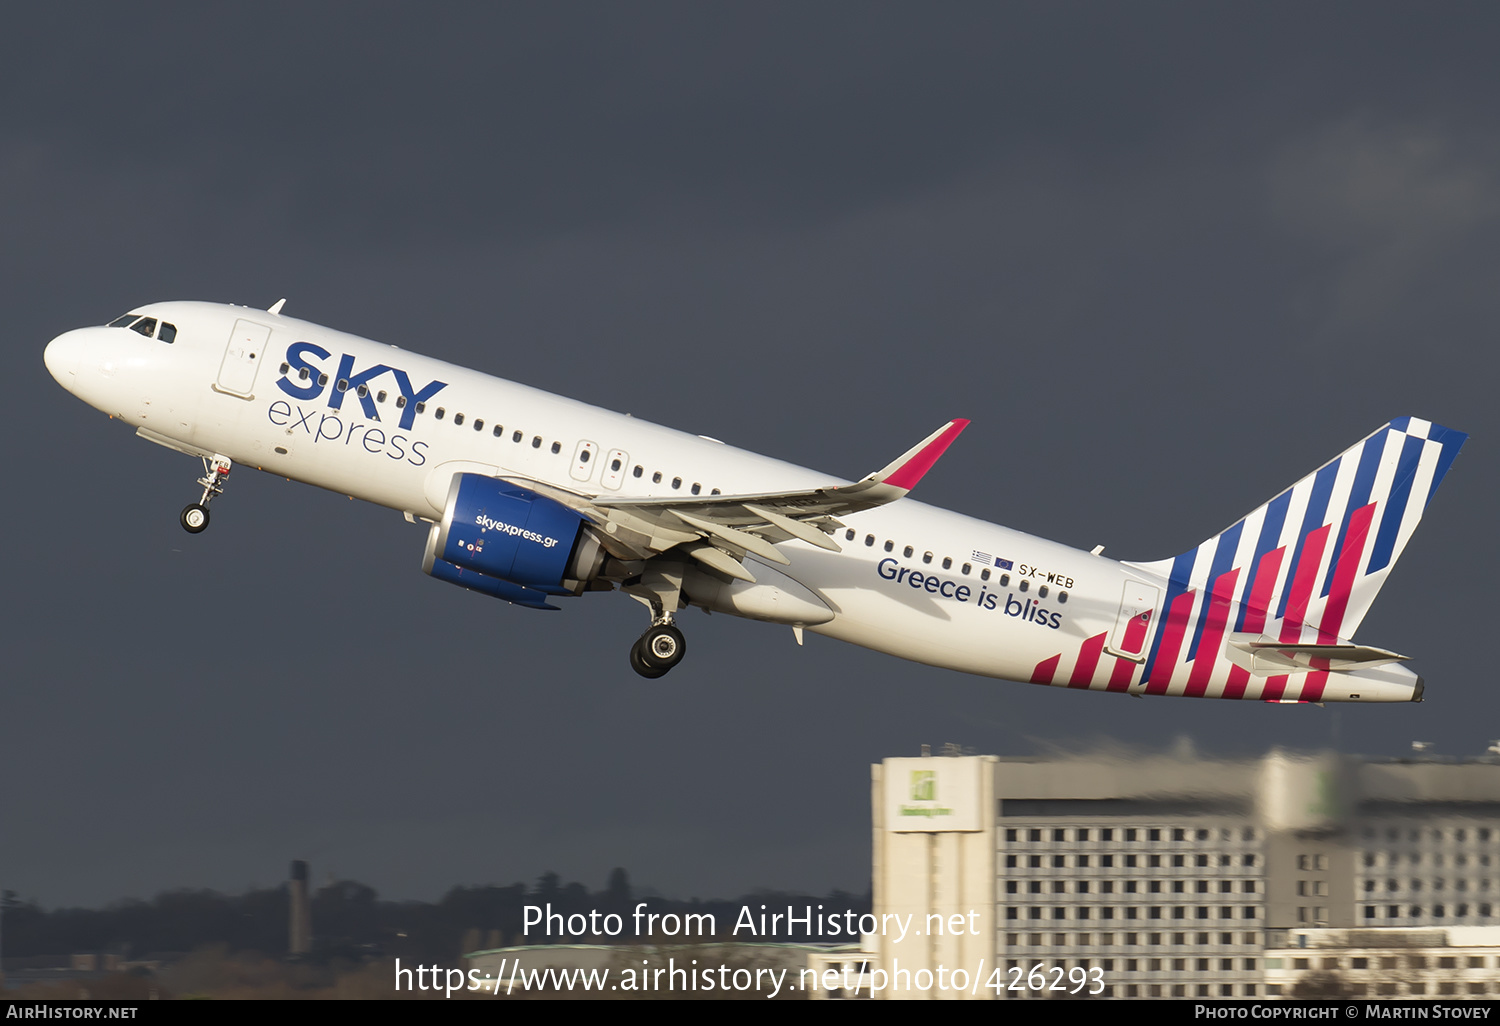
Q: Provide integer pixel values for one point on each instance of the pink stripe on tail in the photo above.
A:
(1088, 659)
(1046, 670)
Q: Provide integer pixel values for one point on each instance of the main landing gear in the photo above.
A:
(194, 516)
(658, 650)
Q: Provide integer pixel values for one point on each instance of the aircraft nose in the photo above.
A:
(61, 357)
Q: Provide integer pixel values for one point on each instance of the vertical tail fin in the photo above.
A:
(1309, 563)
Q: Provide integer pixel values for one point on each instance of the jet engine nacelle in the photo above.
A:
(495, 536)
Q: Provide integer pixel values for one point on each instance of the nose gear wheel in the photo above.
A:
(194, 517)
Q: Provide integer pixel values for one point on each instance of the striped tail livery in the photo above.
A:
(1266, 608)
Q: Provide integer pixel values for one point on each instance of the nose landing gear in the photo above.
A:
(194, 517)
(658, 650)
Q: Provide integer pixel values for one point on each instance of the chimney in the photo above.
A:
(300, 942)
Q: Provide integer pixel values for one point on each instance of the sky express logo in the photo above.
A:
(300, 360)
(486, 523)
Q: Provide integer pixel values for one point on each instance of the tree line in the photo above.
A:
(351, 921)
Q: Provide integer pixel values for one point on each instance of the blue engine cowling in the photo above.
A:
(510, 542)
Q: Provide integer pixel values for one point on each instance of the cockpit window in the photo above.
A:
(146, 326)
(168, 332)
(123, 322)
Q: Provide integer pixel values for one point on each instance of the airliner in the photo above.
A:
(532, 498)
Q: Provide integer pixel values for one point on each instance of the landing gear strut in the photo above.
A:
(658, 650)
(194, 516)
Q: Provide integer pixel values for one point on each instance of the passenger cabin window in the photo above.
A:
(168, 333)
(146, 326)
(848, 536)
(927, 557)
(479, 425)
(947, 562)
(362, 391)
(323, 380)
(499, 430)
(400, 399)
(516, 437)
(438, 414)
(638, 471)
(536, 443)
(421, 407)
(1025, 585)
(380, 396)
(458, 418)
(342, 386)
(984, 574)
(869, 540)
(676, 482)
(907, 552)
(696, 488)
(556, 448)
(889, 546)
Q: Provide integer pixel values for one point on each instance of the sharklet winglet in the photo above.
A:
(910, 468)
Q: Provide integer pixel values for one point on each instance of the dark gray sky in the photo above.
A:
(1168, 257)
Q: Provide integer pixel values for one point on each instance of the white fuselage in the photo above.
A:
(271, 399)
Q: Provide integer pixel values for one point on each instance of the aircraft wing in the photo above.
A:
(719, 530)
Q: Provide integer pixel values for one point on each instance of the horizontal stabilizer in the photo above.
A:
(1263, 655)
(1303, 568)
